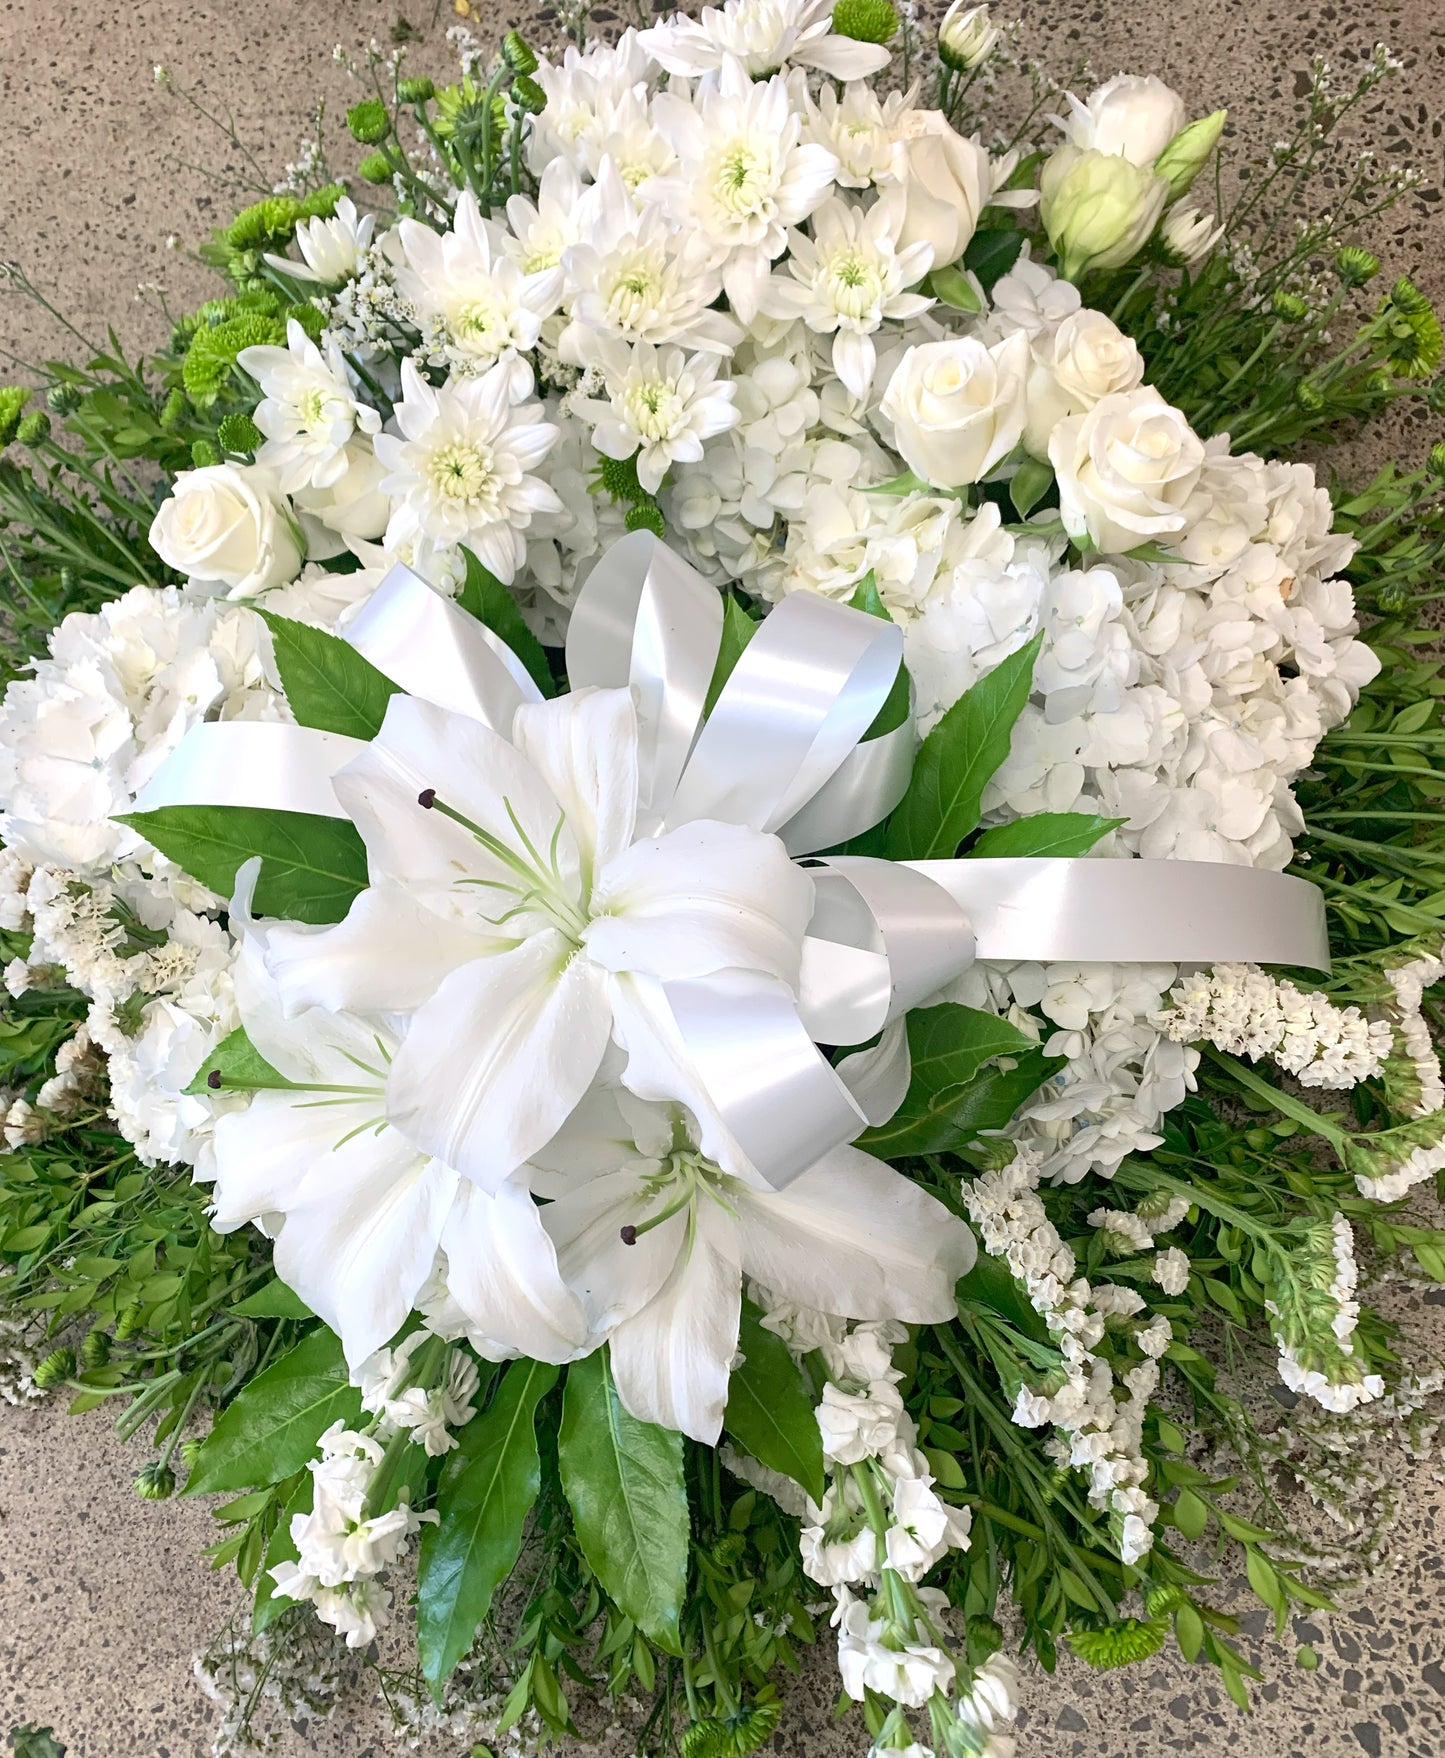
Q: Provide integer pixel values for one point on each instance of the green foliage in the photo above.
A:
(948, 1045)
(27, 1741)
(312, 868)
(270, 1429)
(328, 684)
(1044, 834)
(211, 357)
(770, 1409)
(488, 600)
(625, 1485)
(486, 1492)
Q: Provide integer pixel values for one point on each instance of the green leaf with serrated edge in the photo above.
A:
(1030, 483)
(992, 252)
(957, 760)
(327, 682)
(624, 1482)
(486, 1491)
(240, 1065)
(770, 1411)
(271, 1427)
(898, 704)
(1044, 834)
(737, 630)
(312, 868)
(489, 601)
(281, 1548)
(275, 1300)
(991, 1098)
(947, 1046)
(954, 289)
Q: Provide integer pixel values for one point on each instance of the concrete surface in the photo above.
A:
(103, 1601)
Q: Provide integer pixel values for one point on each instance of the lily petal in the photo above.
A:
(613, 1280)
(705, 897)
(502, 1272)
(496, 1060)
(851, 1236)
(584, 746)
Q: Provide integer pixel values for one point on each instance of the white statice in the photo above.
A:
(308, 410)
(1316, 1354)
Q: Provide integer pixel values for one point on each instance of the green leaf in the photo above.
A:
(625, 1484)
(1031, 482)
(898, 704)
(1191, 1514)
(958, 758)
(992, 252)
(270, 1428)
(1189, 1631)
(240, 1065)
(737, 630)
(280, 1549)
(947, 1044)
(955, 289)
(311, 868)
(770, 1411)
(904, 483)
(1044, 834)
(327, 682)
(489, 601)
(485, 1494)
(990, 1099)
(275, 1300)
(991, 1283)
(27, 1741)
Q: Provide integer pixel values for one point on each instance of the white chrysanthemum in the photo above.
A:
(858, 128)
(634, 277)
(473, 304)
(461, 472)
(580, 89)
(308, 410)
(744, 175)
(764, 35)
(542, 230)
(332, 248)
(662, 406)
(846, 280)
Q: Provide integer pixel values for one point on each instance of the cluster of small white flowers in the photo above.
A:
(1392, 1162)
(1408, 982)
(1133, 1230)
(342, 1548)
(1333, 1391)
(429, 1414)
(1241, 1009)
(1098, 1434)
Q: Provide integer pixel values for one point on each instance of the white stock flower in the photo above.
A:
(461, 470)
(1129, 115)
(469, 296)
(228, 525)
(1171, 1271)
(308, 410)
(764, 36)
(845, 280)
(1126, 471)
(957, 407)
(908, 1673)
(657, 1240)
(521, 913)
(331, 248)
(663, 406)
(744, 175)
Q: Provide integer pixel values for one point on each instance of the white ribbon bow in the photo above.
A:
(782, 751)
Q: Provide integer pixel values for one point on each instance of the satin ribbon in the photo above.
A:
(784, 751)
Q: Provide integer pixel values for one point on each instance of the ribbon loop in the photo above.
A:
(267, 763)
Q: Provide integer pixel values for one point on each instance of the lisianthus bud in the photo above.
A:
(1098, 209)
(1185, 156)
(966, 37)
(865, 21)
(154, 1482)
(1188, 236)
(368, 121)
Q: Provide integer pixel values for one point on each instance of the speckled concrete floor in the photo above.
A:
(103, 1602)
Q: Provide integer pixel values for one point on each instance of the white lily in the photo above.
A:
(656, 1241)
(522, 915)
(358, 1214)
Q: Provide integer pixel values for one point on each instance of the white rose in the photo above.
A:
(228, 524)
(354, 506)
(957, 407)
(1087, 358)
(1126, 470)
(1129, 115)
(943, 183)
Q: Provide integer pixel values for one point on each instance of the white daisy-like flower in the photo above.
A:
(858, 129)
(473, 302)
(763, 35)
(745, 174)
(307, 411)
(461, 471)
(637, 279)
(662, 405)
(332, 248)
(581, 88)
(846, 279)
